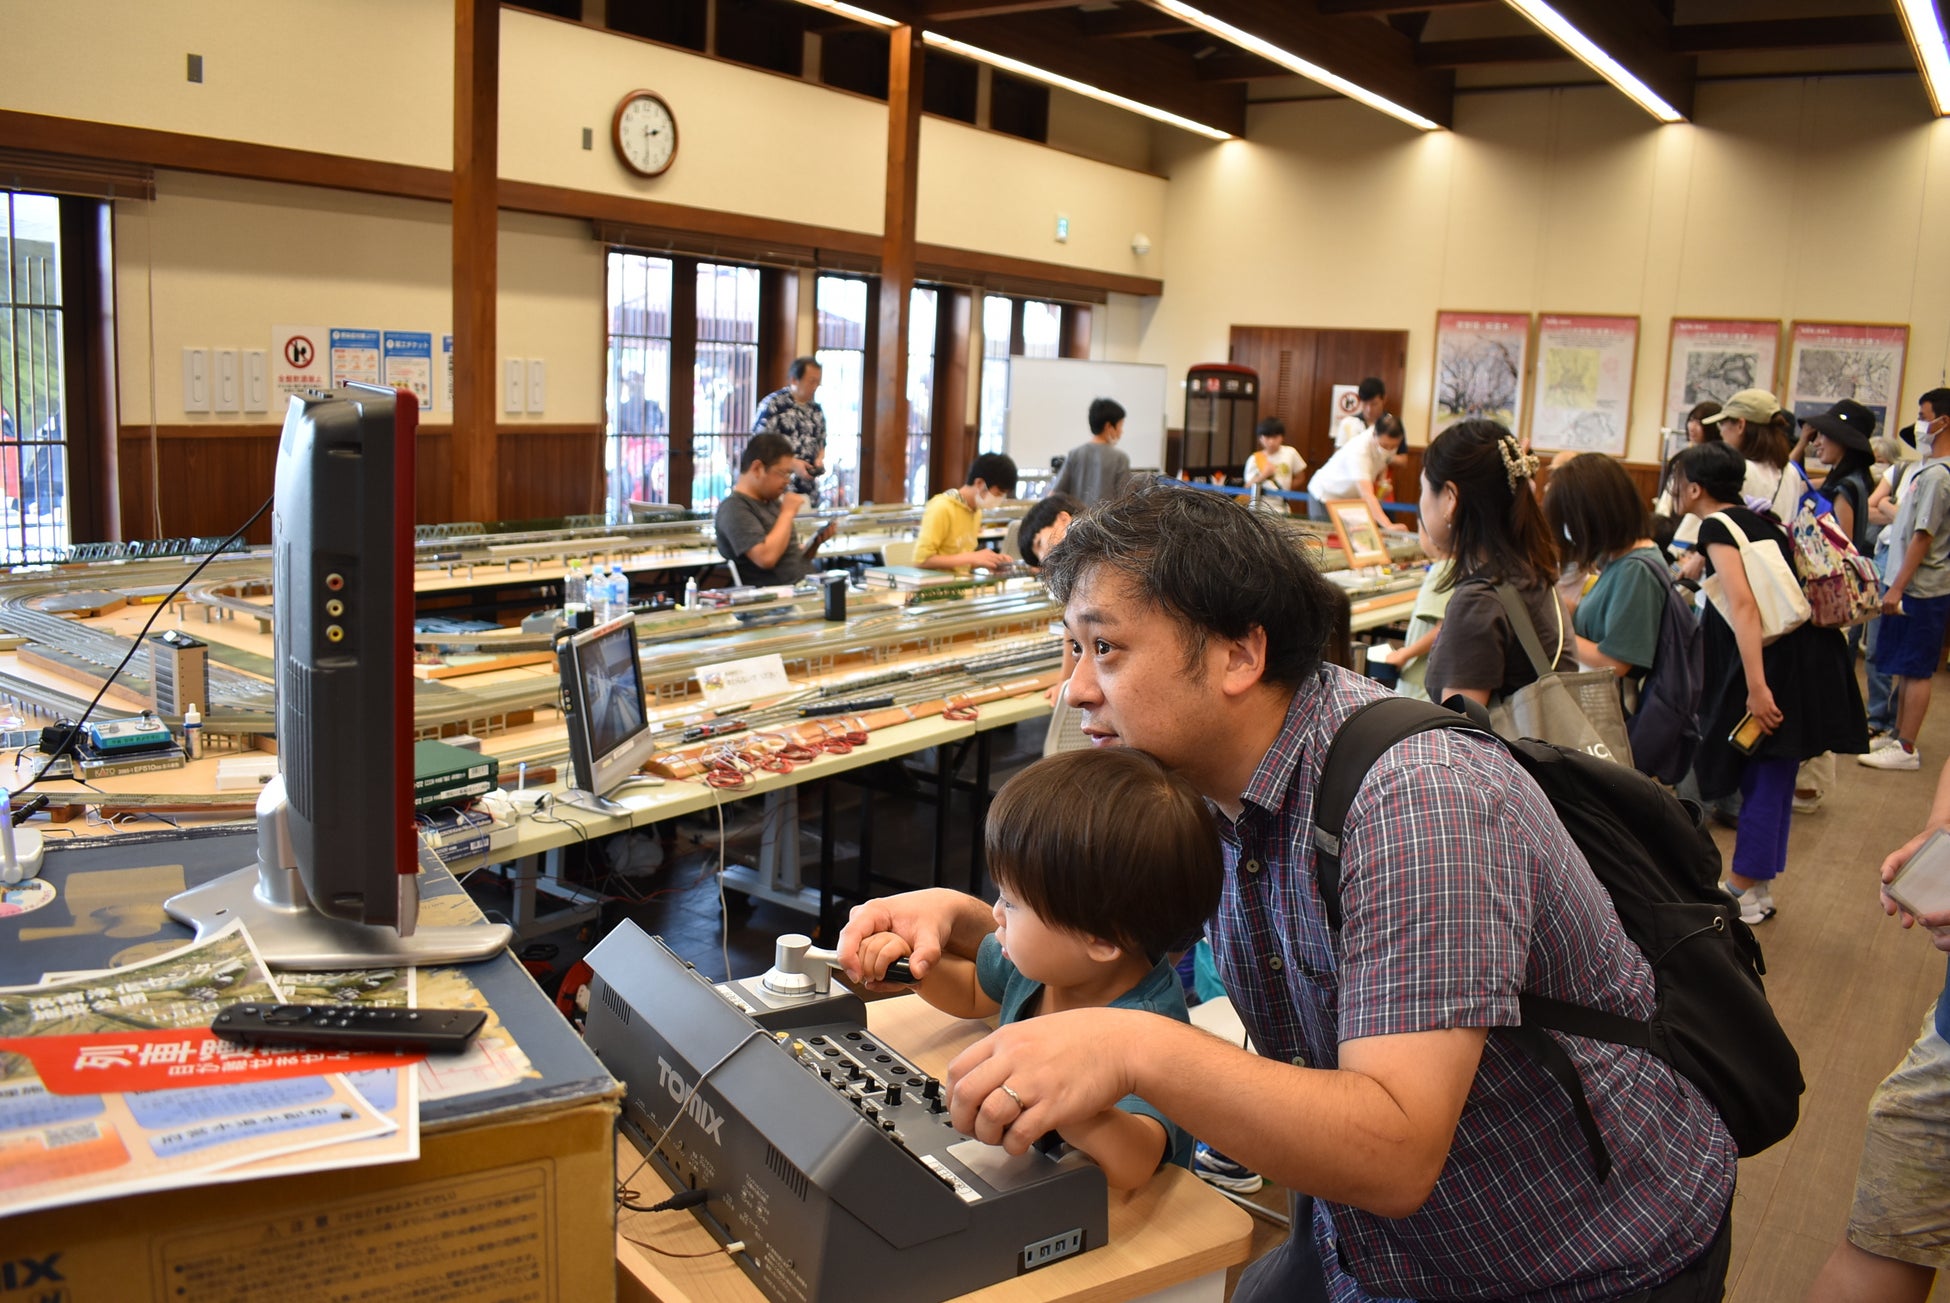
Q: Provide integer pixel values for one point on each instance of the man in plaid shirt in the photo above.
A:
(1431, 1159)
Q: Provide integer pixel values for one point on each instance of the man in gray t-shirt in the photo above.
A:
(755, 519)
(1096, 471)
(1916, 575)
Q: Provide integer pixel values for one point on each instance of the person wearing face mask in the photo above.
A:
(1916, 575)
(792, 412)
(952, 520)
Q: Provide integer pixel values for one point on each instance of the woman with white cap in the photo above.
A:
(1753, 422)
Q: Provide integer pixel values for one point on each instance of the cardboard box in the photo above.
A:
(512, 1196)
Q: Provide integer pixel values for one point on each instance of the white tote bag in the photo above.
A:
(1777, 593)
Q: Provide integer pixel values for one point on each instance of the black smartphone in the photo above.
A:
(1746, 735)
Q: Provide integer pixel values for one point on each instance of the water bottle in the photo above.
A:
(192, 733)
(690, 593)
(619, 593)
(575, 591)
(599, 594)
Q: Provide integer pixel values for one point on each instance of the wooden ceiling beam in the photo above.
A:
(1639, 37)
(1149, 72)
(1239, 67)
(1128, 21)
(1371, 55)
(951, 11)
(1489, 49)
(1787, 34)
(1333, 8)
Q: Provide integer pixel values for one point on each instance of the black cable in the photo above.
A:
(682, 1199)
(68, 741)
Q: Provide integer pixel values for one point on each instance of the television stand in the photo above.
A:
(290, 932)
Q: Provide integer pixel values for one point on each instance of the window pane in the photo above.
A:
(995, 373)
(842, 351)
(32, 400)
(725, 380)
(1042, 329)
(920, 389)
(636, 454)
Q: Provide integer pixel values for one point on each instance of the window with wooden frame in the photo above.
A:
(724, 377)
(840, 344)
(636, 454)
(920, 388)
(33, 405)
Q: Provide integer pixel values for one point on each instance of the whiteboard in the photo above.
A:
(1049, 408)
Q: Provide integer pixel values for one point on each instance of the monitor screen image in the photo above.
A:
(610, 737)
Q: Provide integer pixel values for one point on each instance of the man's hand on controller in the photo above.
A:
(1060, 1069)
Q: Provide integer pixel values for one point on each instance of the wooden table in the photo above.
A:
(1172, 1239)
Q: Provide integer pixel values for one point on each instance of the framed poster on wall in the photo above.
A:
(1479, 368)
(1360, 536)
(1832, 360)
(1581, 392)
(1712, 358)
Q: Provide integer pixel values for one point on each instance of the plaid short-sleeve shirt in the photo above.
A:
(1460, 888)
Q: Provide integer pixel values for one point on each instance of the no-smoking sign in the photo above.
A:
(299, 352)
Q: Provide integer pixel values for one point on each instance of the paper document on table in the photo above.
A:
(111, 1083)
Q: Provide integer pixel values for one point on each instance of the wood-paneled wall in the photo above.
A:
(212, 477)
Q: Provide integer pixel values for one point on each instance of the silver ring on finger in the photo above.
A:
(1020, 1106)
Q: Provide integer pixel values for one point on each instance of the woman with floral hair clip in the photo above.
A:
(1478, 505)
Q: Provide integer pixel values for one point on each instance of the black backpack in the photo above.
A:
(1654, 857)
(1664, 730)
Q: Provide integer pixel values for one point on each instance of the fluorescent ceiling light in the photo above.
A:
(1048, 78)
(854, 12)
(1561, 31)
(1932, 52)
(1287, 59)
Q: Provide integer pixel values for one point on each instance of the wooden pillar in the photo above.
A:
(683, 376)
(778, 325)
(949, 448)
(883, 444)
(477, 99)
(93, 473)
(1075, 338)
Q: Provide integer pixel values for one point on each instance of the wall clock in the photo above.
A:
(645, 133)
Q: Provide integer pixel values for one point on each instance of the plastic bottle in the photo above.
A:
(599, 593)
(575, 590)
(690, 593)
(192, 733)
(619, 593)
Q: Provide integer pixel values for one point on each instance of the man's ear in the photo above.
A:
(1245, 662)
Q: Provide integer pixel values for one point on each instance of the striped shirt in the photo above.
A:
(1460, 888)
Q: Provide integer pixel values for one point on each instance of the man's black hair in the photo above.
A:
(1718, 468)
(800, 365)
(1272, 425)
(1041, 515)
(1103, 412)
(763, 449)
(1389, 426)
(1939, 401)
(1371, 389)
(1217, 568)
(995, 469)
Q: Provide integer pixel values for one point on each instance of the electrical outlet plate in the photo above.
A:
(537, 385)
(257, 381)
(514, 385)
(196, 379)
(226, 388)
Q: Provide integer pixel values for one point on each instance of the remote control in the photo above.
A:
(350, 1027)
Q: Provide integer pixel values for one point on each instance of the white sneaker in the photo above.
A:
(1756, 902)
(1807, 804)
(1883, 741)
(1891, 757)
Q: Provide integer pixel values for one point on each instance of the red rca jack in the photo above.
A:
(335, 582)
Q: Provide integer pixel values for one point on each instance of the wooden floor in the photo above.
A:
(1851, 988)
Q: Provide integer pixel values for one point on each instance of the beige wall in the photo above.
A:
(230, 260)
(1565, 201)
(366, 78)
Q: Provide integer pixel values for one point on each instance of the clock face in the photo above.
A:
(645, 133)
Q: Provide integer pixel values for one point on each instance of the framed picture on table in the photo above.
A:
(1360, 536)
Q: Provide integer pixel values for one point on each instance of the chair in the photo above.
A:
(1065, 726)
(1012, 540)
(898, 554)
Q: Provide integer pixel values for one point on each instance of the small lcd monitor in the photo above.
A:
(610, 736)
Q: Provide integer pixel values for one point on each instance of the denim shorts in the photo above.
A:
(1910, 645)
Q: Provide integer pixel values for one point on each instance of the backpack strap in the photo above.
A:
(1363, 738)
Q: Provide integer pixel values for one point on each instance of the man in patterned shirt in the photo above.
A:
(1430, 1157)
(792, 412)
